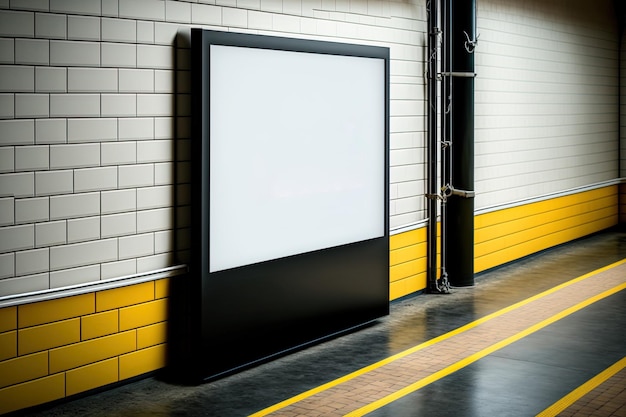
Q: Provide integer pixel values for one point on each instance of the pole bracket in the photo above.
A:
(470, 44)
(461, 74)
(449, 190)
(433, 196)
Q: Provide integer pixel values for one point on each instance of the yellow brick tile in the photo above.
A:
(417, 283)
(407, 269)
(24, 368)
(8, 345)
(407, 253)
(407, 286)
(143, 314)
(32, 393)
(162, 288)
(99, 324)
(407, 238)
(397, 289)
(151, 335)
(142, 361)
(47, 336)
(8, 319)
(55, 310)
(91, 351)
(125, 296)
(91, 376)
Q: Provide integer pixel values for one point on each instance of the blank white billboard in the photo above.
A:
(297, 153)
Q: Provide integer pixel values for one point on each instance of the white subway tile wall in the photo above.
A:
(545, 98)
(92, 130)
(118, 153)
(50, 233)
(16, 238)
(118, 201)
(83, 229)
(50, 80)
(89, 134)
(136, 246)
(54, 182)
(32, 210)
(29, 262)
(50, 131)
(74, 276)
(75, 155)
(50, 26)
(26, 284)
(17, 185)
(7, 211)
(7, 106)
(95, 128)
(118, 269)
(17, 132)
(7, 265)
(81, 254)
(17, 24)
(32, 158)
(119, 224)
(32, 51)
(7, 51)
(74, 205)
(31, 105)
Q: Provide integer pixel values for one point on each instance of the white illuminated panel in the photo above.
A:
(297, 148)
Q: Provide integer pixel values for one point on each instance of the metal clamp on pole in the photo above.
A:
(433, 196)
(458, 74)
(449, 190)
(470, 44)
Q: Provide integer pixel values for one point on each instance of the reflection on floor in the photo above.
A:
(518, 342)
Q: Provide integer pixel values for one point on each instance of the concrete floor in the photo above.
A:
(558, 356)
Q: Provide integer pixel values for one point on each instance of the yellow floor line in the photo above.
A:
(582, 390)
(428, 343)
(481, 354)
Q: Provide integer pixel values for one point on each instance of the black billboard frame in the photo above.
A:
(250, 314)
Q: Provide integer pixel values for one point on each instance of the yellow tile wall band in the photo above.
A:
(47, 336)
(406, 269)
(527, 210)
(407, 253)
(55, 310)
(91, 376)
(99, 324)
(162, 288)
(29, 394)
(622, 200)
(509, 234)
(8, 345)
(8, 319)
(23, 368)
(142, 361)
(143, 314)
(76, 348)
(124, 296)
(151, 335)
(90, 351)
(408, 238)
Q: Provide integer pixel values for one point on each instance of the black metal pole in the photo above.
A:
(432, 145)
(445, 129)
(460, 208)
